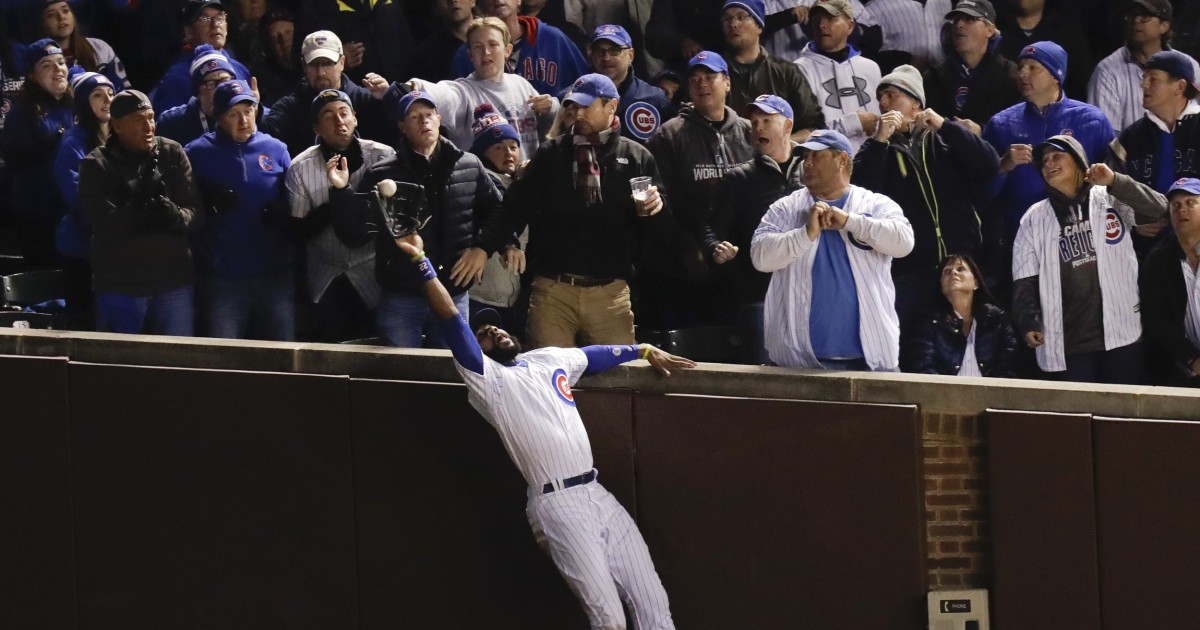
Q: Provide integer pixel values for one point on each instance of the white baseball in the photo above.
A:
(387, 187)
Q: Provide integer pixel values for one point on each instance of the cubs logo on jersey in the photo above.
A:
(642, 119)
(857, 243)
(562, 386)
(265, 162)
(1114, 227)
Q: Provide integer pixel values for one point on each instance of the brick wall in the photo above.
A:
(956, 517)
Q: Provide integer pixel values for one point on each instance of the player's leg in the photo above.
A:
(633, 570)
(553, 314)
(566, 525)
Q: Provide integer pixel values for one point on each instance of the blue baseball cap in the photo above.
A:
(770, 104)
(590, 87)
(708, 59)
(1175, 64)
(231, 93)
(613, 33)
(1050, 55)
(1189, 185)
(39, 50)
(822, 139)
(406, 102)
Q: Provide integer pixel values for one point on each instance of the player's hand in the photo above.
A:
(411, 244)
(354, 52)
(376, 85)
(869, 122)
(971, 125)
(541, 103)
(469, 267)
(929, 119)
(1100, 175)
(724, 252)
(651, 206)
(889, 122)
(338, 172)
(1034, 338)
(1016, 155)
(513, 260)
(661, 361)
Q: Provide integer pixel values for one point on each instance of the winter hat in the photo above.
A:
(1067, 144)
(908, 79)
(39, 50)
(489, 128)
(205, 60)
(82, 86)
(128, 102)
(753, 7)
(231, 93)
(1050, 55)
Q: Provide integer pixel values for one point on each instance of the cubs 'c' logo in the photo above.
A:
(1114, 227)
(562, 386)
(642, 119)
(857, 243)
(265, 162)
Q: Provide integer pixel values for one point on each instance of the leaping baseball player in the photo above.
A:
(527, 398)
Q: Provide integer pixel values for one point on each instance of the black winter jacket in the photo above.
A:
(1134, 150)
(290, 119)
(1164, 308)
(772, 75)
(457, 190)
(994, 88)
(937, 345)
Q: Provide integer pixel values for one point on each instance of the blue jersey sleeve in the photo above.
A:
(462, 344)
(601, 358)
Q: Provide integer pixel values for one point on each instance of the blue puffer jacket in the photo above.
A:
(247, 239)
(1022, 123)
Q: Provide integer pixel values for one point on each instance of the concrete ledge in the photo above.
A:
(936, 394)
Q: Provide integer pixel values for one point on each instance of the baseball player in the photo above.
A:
(527, 397)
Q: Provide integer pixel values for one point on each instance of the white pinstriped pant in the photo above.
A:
(598, 549)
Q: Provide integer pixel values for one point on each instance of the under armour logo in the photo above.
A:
(835, 95)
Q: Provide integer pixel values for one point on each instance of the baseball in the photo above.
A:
(387, 187)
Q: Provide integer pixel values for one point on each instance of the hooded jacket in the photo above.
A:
(843, 88)
(993, 84)
(1136, 151)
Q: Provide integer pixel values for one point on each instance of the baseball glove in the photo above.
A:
(400, 205)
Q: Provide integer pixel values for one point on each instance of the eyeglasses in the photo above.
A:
(212, 19)
(608, 51)
(1139, 18)
(736, 19)
(211, 84)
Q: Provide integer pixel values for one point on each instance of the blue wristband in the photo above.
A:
(425, 269)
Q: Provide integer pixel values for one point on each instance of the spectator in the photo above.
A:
(976, 82)
(541, 54)
(1162, 146)
(91, 54)
(435, 54)
(205, 22)
(583, 223)
(670, 83)
(290, 120)
(1025, 22)
(964, 332)
(498, 147)
(931, 167)
(1075, 296)
(378, 35)
(643, 107)
(745, 193)
(1170, 313)
(911, 31)
(693, 151)
(843, 80)
(184, 123)
(1046, 111)
(12, 78)
(831, 244)
(277, 71)
(244, 257)
(32, 131)
(341, 279)
(512, 96)
(456, 190)
(140, 200)
(93, 94)
(753, 72)
(1116, 84)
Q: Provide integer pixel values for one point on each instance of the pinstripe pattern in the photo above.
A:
(1116, 88)
(1035, 253)
(910, 26)
(328, 258)
(591, 538)
(781, 247)
(1191, 316)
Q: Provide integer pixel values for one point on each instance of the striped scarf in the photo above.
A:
(586, 169)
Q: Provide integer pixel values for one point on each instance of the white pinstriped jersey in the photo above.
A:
(875, 232)
(308, 187)
(1116, 88)
(1191, 318)
(910, 26)
(531, 406)
(1036, 253)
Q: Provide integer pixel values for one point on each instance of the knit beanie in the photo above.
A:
(489, 128)
(908, 79)
(207, 59)
(1050, 55)
(82, 86)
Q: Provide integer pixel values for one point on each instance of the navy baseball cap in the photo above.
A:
(406, 102)
(193, 8)
(708, 59)
(1176, 64)
(231, 93)
(754, 7)
(1189, 185)
(486, 317)
(326, 97)
(613, 33)
(974, 8)
(822, 139)
(590, 87)
(770, 104)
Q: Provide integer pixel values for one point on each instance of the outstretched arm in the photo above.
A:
(459, 337)
(601, 358)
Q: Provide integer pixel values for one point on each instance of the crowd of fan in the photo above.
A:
(882, 185)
